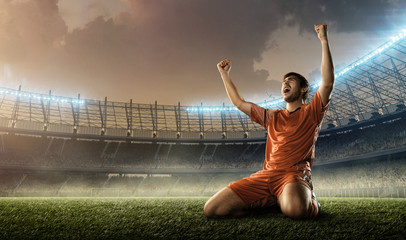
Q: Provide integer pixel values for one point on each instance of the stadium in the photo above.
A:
(59, 146)
(56, 146)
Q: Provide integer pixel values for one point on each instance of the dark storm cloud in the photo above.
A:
(346, 15)
(29, 30)
(175, 45)
(166, 50)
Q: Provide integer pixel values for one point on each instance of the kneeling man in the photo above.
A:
(292, 133)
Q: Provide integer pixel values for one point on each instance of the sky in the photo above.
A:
(167, 50)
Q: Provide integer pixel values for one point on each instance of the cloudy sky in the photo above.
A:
(167, 50)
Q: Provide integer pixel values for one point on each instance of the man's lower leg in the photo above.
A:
(315, 208)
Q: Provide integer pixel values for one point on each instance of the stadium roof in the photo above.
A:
(372, 86)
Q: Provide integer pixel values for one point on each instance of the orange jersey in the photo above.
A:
(291, 137)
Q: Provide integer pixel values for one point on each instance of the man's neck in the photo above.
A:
(292, 106)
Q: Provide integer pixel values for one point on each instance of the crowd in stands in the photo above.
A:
(68, 153)
(65, 153)
(379, 137)
(379, 174)
(23, 150)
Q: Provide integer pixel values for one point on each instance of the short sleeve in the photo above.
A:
(317, 107)
(261, 115)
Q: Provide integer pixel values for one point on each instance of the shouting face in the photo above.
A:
(291, 90)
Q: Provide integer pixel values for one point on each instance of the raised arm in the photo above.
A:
(232, 92)
(327, 67)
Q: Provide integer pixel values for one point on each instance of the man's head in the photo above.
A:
(294, 87)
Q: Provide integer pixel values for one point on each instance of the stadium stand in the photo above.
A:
(61, 146)
(375, 137)
(56, 152)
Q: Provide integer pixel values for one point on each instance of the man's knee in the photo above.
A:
(216, 209)
(295, 201)
(223, 203)
(209, 210)
(296, 209)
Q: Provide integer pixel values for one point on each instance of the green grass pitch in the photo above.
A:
(182, 218)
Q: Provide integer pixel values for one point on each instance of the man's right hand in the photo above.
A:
(224, 66)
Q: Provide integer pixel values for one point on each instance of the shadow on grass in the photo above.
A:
(273, 212)
(259, 213)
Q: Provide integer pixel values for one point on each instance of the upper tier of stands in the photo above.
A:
(57, 152)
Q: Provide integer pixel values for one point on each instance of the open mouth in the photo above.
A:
(286, 90)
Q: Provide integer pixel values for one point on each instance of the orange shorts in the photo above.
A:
(263, 188)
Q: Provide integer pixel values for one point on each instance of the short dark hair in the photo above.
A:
(303, 82)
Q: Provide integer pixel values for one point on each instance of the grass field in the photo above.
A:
(182, 218)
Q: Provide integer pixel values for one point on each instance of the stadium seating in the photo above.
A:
(83, 167)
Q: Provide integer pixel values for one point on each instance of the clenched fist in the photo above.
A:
(224, 66)
(321, 31)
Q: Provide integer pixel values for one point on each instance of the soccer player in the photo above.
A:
(292, 133)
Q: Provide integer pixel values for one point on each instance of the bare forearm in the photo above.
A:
(232, 91)
(327, 67)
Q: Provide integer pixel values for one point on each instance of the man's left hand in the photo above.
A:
(321, 31)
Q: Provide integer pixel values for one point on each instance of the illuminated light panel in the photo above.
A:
(41, 97)
(211, 109)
